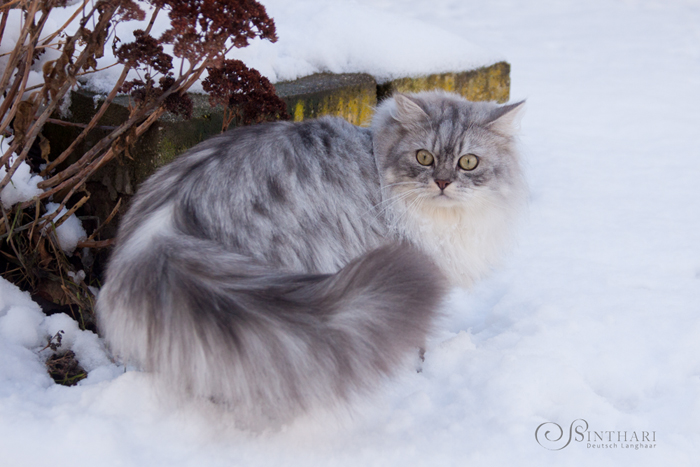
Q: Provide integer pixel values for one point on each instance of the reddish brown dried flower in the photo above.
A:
(203, 28)
(146, 91)
(177, 103)
(144, 51)
(141, 90)
(129, 10)
(48, 4)
(249, 95)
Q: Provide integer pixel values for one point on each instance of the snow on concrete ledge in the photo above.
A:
(342, 37)
(322, 36)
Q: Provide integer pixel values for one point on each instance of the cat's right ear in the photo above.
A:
(406, 110)
(505, 119)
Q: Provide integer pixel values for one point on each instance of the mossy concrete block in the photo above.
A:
(172, 135)
(166, 139)
(351, 96)
(483, 84)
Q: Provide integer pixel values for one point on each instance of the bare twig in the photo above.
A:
(13, 60)
(18, 92)
(11, 4)
(96, 244)
(58, 31)
(56, 121)
(3, 22)
(71, 211)
(37, 213)
(107, 221)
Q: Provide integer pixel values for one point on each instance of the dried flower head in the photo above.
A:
(245, 92)
(145, 51)
(128, 11)
(178, 103)
(201, 28)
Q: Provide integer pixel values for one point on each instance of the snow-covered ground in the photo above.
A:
(596, 315)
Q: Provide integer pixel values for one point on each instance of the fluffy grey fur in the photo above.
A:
(287, 265)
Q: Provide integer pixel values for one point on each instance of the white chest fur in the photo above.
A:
(465, 241)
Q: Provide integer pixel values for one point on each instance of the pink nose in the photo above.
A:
(442, 183)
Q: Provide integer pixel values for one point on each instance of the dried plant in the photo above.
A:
(201, 32)
(244, 94)
(65, 369)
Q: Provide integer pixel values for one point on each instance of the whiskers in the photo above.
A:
(486, 199)
(388, 203)
(410, 209)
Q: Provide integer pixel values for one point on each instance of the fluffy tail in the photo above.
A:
(219, 326)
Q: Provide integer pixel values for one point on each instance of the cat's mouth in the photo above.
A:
(444, 199)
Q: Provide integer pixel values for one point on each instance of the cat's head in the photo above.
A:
(439, 150)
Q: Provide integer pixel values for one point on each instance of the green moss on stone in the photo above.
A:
(351, 96)
(483, 84)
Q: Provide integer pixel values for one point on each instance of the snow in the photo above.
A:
(349, 37)
(70, 232)
(21, 188)
(596, 315)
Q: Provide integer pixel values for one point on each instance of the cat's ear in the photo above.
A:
(407, 111)
(505, 119)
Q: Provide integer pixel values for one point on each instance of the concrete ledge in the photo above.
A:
(483, 84)
(351, 96)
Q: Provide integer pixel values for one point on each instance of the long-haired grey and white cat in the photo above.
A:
(285, 266)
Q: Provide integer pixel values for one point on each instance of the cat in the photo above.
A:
(286, 266)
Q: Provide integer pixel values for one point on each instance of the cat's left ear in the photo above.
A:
(505, 119)
(407, 110)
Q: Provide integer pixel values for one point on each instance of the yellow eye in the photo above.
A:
(468, 162)
(424, 157)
